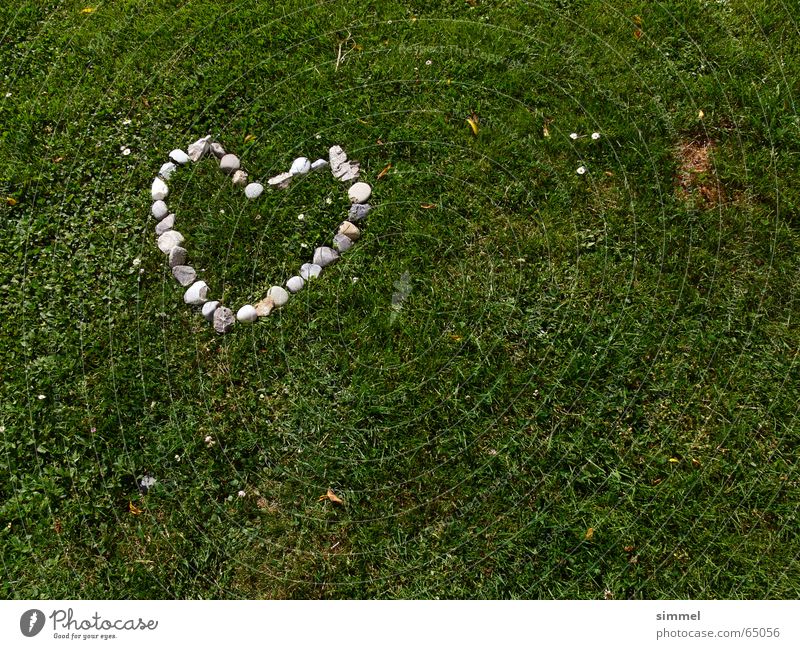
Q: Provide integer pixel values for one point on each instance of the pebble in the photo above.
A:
(165, 224)
(184, 274)
(177, 256)
(159, 190)
(307, 271)
(253, 190)
(319, 164)
(358, 212)
(278, 295)
(324, 256)
(359, 193)
(342, 242)
(166, 170)
(229, 163)
(196, 294)
(294, 284)
(178, 156)
(300, 167)
(168, 240)
(198, 149)
(240, 178)
(223, 320)
(217, 150)
(337, 158)
(349, 230)
(247, 314)
(264, 307)
(159, 210)
(281, 181)
(209, 308)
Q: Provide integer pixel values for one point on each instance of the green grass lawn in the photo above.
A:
(590, 389)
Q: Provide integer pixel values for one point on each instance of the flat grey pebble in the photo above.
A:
(223, 320)
(307, 271)
(281, 181)
(358, 212)
(325, 256)
(159, 210)
(319, 164)
(294, 284)
(178, 156)
(229, 163)
(168, 240)
(342, 242)
(184, 274)
(166, 170)
(278, 295)
(167, 223)
(177, 256)
(253, 190)
(217, 150)
(209, 308)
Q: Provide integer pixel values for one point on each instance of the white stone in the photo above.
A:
(349, 230)
(196, 294)
(178, 156)
(184, 274)
(281, 181)
(341, 168)
(342, 242)
(278, 295)
(159, 210)
(159, 190)
(324, 256)
(199, 148)
(359, 193)
(294, 284)
(209, 308)
(169, 240)
(307, 271)
(240, 178)
(253, 190)
(247, 314)
(217, 150)
(300, 167)
(166, 170)
(177, 256)
(223, 320)
(229, 163)
(319, 164)
(167, 223)
(337, 157)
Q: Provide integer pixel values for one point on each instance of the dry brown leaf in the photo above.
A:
(11, 201)
(384, 171)
(332, 497)
(472, 120)
(589, 534)
(133, 509)
(427, 206)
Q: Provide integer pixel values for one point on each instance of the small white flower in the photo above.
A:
(2, 429)
(428, 62)
(222, 211)
(580, 170)
(177, 458)
(573, 136)
(241, 493)
(141, 271)
(126, 151)
(126, 122)
(8, 94)
(328, 200)
(301, 217)
(318, 136)
(41, 396)
(354, 279)
(136, 262)
(304, 245)
(595, 135)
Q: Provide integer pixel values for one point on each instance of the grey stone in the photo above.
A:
(308, 271)
(359, 193)
(217, 150)
(294, 284)
(253, 190)
(177, 256)
(319, 164)
(178, 156)
(159, 210)
(358, 212)
(342, 242)
(185, 275)
(209, 308)
(278, 295)
(223, 320)
(281, 181)
(168, 240)
(199, 148)
(196, 294)
(325, 256)
(167, 223)
(239, 178)
(229, 163)
(166, 170)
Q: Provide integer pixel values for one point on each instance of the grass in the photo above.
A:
(589, 391)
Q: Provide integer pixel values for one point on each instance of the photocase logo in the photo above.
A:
(31, 622)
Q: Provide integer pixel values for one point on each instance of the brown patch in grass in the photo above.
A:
(696, 177)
